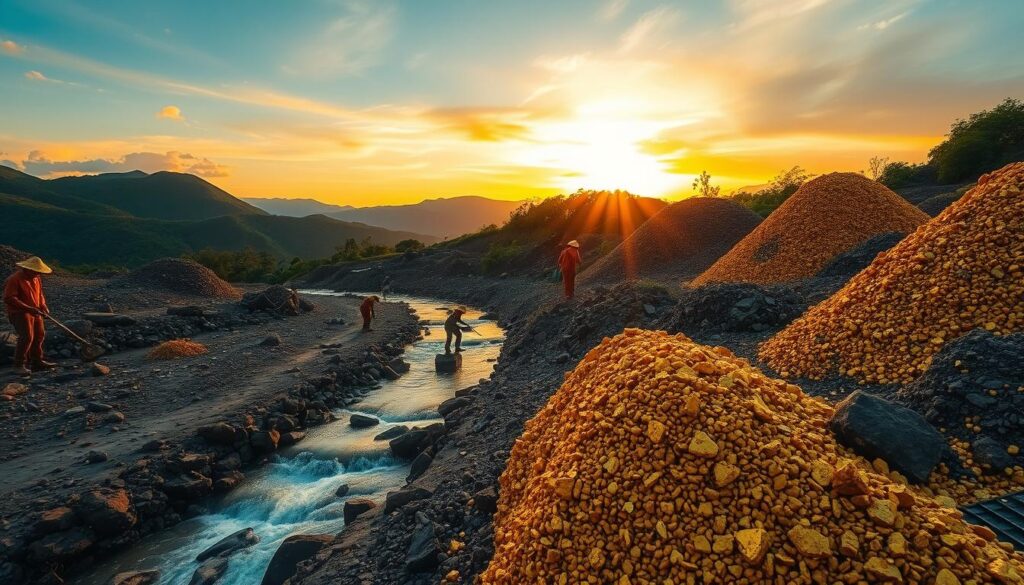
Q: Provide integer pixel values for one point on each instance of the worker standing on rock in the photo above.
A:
(26, 309)
(453, 328)
(385, 287)
(568, 261)
(366, 309)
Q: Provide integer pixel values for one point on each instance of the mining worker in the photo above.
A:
(26, 307)
(385, 287)
(367, 311)
(568, 261)
(453, 327)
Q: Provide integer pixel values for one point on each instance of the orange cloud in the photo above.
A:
(170, 113)
(10, 47)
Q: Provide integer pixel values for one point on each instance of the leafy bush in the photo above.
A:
(779, 189)
(409, 245)
(237, 266)
(499, 256)
(901, 174)
(983, 142)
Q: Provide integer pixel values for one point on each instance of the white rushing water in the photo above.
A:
(295, 493)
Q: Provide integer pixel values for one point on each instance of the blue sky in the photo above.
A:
(361, 102)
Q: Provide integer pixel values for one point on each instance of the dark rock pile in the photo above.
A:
(860, 257)
(276, 299)
(734, 307)
(8, 257)
(937, 204)
(179, 276)
(974, 389)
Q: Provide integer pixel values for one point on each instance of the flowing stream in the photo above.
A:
(295, 493)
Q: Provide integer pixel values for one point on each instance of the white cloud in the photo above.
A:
(349, 44)
(170, 113)
(563, 64)
(612, 9)
(883, 24)
(10, 47)
(39, 164)
(755, 13)
(37, 76)
(648, 27)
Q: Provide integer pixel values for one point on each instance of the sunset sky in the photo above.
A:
(367, 102)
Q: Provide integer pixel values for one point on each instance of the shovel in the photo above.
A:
(89, 352)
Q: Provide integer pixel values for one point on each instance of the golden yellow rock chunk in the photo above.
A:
(946, 577)
(1013, 450)
(725, 473)
(897, 544)
(703, 445)
(849, 480)
(883, 570)
(722, 544)
(883, 512)
(809, 542)
(1004, 572)
(563, 486)
(692, 405)
(655, 431)
(822, 472)
(701, 543)
(753, 543)
(596, 558)
(849, 544)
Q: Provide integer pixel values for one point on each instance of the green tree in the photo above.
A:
(409, 245)
(703, 187)
(983, 142)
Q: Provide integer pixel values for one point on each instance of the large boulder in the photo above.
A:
(292, 551)
(412, 443)
(188, 486)
(135, 578)
(356, 507)
(362, 421)
(423, 549)
(230, 544)
(877, 428)
(219, 433)
(107, 511)
(395, 500)
(62, 546)
(209, 572)
(276, 299)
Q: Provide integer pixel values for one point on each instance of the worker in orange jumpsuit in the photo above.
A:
(26, 307)
(367, 311)
(568, 261)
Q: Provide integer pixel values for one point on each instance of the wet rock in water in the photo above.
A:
(423, 550)
(272, 340)
(992, 455)
(62, 546)
(107, 511)
(357, 507)
(209, 572)
(229, 545)
(452, 404)
(412, 443)
(289, 438)
(96, 457)
(293, 551)
(419, 466)
(395, 500)
(342, 490)
(399, 365)
(389, 374)
(486, 500)
(391, 433)
(98, 369)
(362, 421)
(136, 578)
(265, 441)
(877, 428)
(219, 433)
(448, 363)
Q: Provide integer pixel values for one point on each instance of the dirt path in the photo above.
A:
(166, 400)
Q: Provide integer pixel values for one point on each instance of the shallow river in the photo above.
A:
(295, 493)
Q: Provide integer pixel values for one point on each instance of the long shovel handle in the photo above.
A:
(66, 329)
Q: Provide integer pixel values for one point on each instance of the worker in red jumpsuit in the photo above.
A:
(367, 311)
(568, 261)
(26, 307)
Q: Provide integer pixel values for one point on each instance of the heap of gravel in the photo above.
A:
(733, 307)
(978, 378)
(860, 257)
(825, 217)
(681, 240)
(937, 204)
(179, 276)
(8, 256)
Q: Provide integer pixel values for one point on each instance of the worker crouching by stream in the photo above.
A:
(26, 310)
(367, 311)
(568, 261)
(453, 328)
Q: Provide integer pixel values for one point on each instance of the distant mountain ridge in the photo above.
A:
(132, 218)
(444, 218)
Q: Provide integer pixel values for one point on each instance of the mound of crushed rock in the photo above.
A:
(681, 240)
(825, 217)
(958, 272)
(734, 307)
(860, 257)
(179, 276)
(276, 299)
(8, 257)
(660, 460)
(974, 388)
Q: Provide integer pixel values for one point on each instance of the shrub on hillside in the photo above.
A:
(778, 190)
(499, 256)
(986, 140)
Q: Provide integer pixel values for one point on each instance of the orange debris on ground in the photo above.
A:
(176, 348)
(826, 216)
(962, 270)
(660, 460)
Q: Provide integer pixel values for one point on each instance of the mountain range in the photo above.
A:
(131, 218)
(443, 218)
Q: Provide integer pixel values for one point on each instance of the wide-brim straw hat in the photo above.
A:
(573, 243)
(461, 308)
(35, 264)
